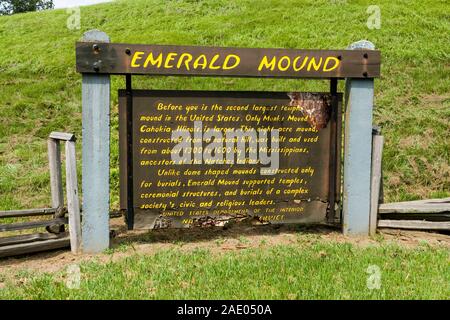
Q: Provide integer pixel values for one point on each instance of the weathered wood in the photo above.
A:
(32, 224)
(420, 206)
(43, 212)
(62, 136)
(440, 216)
(377, 152)
(25, 248)
(381, 187)
(357, 152)
(413, 224)
(26, 238)
(432, 201)
(54, 160)
(73, 204)
(27, 213)
(96, 149)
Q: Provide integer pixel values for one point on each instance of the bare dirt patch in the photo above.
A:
(236, 237)
(435, 98)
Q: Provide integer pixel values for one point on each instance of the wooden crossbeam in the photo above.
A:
(414, 224)
(23, 248)
(32, 224)
(420, 206)
(28, 213)
(26, 238)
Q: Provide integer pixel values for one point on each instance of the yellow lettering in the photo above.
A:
(265, 63)
(302, 65)
(312, 63)
(200, 61)
(211, 64)
(227, 59)
(150, 59)
(170, 57)
(280, 63)
(137, 56)
(188, 57)
(327, 60)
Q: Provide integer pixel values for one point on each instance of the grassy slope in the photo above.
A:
(40, 90)
(313, 271)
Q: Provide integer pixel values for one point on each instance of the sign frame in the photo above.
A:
(96, 104)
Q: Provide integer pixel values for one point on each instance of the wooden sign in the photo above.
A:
(113, 58)
(268, 155)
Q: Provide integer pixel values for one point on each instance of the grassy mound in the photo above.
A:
(40, 89)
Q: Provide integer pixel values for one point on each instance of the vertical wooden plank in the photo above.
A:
(54, 161)
(73, 204)
(358, 150)
(96, 139)
(377, 152)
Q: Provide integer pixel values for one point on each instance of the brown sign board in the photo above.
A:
(291, 180)
(116, 58)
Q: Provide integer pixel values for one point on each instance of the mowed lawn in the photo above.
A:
(41, 92)
(299, 271)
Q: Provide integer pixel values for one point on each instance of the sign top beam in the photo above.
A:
(171, 60)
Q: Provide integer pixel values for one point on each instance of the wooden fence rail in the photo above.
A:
(27, 213)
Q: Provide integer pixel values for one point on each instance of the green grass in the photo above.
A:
(40, 89)
(318, 271)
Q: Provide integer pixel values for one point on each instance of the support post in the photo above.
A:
(96, 149)
(358, 151)
(129, 115)
(333, 150)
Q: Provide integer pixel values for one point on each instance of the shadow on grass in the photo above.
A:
(233, 230)
(120, 236)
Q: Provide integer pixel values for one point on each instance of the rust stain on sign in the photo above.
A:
(316, 107)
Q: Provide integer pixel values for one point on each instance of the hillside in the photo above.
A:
(40, 90)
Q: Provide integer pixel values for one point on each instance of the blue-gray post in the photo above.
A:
(358, 151)
(95, 179)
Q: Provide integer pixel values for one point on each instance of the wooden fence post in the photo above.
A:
(54, 161)
(56, 187)
(377, 155)
(358, 151)
(73, 204)
(95, 150)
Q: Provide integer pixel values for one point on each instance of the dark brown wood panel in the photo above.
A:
(165, 195)
(117, 58)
